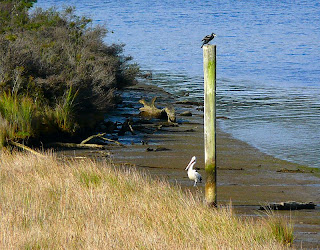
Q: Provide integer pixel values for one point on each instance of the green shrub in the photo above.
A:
(45, 52)
(22, 118)
(13, 14)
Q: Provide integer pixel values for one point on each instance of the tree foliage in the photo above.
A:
(13, 13)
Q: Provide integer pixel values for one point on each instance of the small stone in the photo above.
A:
(186, 113)
(162, 149)
(200, 109)
(190, 130)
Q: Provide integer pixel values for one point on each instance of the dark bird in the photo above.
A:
(208, 38)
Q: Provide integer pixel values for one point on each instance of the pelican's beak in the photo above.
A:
(193, 160)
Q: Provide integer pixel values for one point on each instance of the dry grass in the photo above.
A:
(46, 203)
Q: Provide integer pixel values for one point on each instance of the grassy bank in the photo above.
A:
(47, 203)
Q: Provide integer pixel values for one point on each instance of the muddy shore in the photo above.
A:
(245, 176)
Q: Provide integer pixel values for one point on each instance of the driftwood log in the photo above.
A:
(101, 137)
(26, 148)
(290, 205)
(75, 145)
(149, 110)
(92, 137)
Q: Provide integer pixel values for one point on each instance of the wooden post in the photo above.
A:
(209, 70)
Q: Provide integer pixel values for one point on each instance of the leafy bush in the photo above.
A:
(46, 54)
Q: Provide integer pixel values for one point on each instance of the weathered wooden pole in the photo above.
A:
(209, 70)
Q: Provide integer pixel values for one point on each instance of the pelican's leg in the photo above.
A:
(195, 183)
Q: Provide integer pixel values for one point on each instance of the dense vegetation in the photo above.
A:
(57, 76)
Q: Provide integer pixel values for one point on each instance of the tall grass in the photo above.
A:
(19, 114)
(281, 229)
(64, 112)
(21, 118)
(47, 203)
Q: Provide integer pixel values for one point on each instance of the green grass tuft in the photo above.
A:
(281, 229)
(90, 179)
(18, 113)
(64, 112)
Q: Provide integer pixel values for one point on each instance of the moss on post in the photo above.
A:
(209, 69)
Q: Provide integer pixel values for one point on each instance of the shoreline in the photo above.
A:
(246, 176)
(315, 170)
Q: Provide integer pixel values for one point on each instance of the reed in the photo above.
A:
(64, 112)
(22, 118)
(76, 204)
(19, 113)
(281, 229)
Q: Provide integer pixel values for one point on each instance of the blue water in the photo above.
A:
(268, 61)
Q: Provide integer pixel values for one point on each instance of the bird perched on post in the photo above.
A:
(192, 173)
(208, 38)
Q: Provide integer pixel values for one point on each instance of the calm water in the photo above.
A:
(268, 61)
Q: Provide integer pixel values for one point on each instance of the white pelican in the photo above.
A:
(192, 173)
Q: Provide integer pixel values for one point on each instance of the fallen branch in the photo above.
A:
(110, 140)
(149, 110)
(290, 205)
(100, 136)
(76, 145)
(24, 147)
(92, 137)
